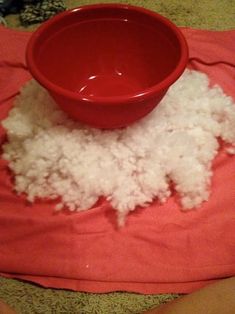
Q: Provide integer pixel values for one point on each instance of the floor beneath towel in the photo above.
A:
(29, 299)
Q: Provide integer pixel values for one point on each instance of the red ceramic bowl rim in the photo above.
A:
(142, 94)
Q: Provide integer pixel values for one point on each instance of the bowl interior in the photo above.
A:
(106, 52)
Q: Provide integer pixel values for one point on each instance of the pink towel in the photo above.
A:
(160, 250)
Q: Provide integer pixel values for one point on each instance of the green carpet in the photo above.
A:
(26, 298)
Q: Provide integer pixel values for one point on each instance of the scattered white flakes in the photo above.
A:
(231, 150)
(53, 157)
(59, 207)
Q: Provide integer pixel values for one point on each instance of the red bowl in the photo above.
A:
(107, 65)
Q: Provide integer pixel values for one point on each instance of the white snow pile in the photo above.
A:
(53, 157)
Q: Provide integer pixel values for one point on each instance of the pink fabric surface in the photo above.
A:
(160, 250)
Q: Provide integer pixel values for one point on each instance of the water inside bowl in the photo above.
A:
(107, 57)
(109, 85)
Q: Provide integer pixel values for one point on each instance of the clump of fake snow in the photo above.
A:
(53, 157)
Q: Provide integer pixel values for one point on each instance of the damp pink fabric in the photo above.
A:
(160, 250)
